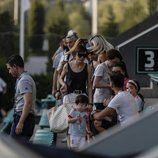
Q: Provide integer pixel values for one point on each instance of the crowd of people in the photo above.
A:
(91, 76)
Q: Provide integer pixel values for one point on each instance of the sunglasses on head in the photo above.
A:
(81, 55)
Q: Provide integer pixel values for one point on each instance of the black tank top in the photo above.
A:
(77, 80)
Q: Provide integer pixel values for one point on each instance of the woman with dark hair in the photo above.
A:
(75, 77)
(121, 67)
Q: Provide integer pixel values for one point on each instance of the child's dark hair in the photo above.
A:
(82, 99)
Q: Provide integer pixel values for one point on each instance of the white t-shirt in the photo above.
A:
(78, 128)
(102, 93)
(125, 106)
(140, 103)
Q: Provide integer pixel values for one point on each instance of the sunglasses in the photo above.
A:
(81, 55)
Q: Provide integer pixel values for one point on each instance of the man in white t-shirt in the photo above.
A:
(123, 102)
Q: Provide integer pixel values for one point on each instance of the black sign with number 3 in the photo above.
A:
(147, 60)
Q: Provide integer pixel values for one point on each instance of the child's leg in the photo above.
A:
(74, 142)
(82, 142)
(77, 142)
(68, 141)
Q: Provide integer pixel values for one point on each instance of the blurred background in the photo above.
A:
(45, 21)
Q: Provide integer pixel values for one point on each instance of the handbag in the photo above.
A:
(69, 98)
(59, 119)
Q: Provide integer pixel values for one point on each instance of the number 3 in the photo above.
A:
(150, 59)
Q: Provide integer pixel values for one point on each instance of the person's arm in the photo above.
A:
(104, 113)
(62, 77)
(26, 109)
(99, 83)
(58, 93)
(72, 119)
(63, 74)
(54, 86)
(90, 85)
(75, 46)
(88, 125)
